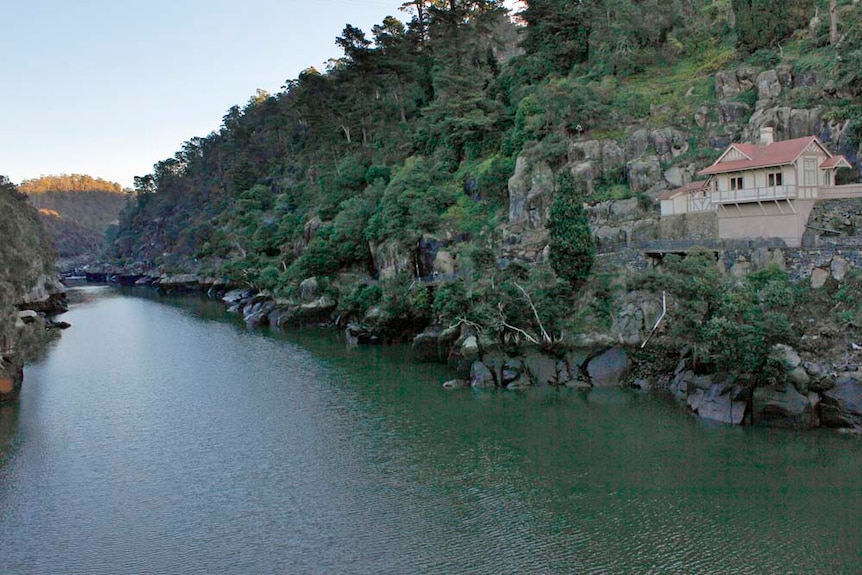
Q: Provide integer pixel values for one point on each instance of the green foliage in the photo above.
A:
(362, 298)
(405, 306)
(558, 32)
(730, 324)
(341, 244)
(571, 241)
(450, 303)
(413, 203)
(765, 23)
(493, 179)
(848, 300)
(414, 133)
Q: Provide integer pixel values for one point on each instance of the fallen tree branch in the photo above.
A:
(545, 335)
(472, 324)
(661, 317)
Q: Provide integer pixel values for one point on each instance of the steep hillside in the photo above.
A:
(76, 210)
(440, 146)
(27, 279)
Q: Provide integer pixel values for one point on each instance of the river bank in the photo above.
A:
(807, 395)
(30, 290)
(161, 436)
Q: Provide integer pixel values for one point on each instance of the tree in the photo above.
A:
(833, 22)
(571, 241)
(558, 31)
(765, 23)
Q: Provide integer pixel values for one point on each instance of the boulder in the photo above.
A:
(818, 278)
(542, 369)
(236, 296)
(768, 85)
(257, 314)
(426, 346)
(530, 183)
(318, 311)
(782, 407)
(456, 384)
(625, 210)
(731, 83)
(644, 173)
(669, 143)
(731, 113)
(27, 316)
(814, 370)
(513, 375)
(481, 376)
(609, 368)
(842, 405)
(800, 379)
(309, 290)
(718, 404)
(470, 348)
(786, 355)
(839, 268)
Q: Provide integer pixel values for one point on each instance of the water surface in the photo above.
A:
(162, 436)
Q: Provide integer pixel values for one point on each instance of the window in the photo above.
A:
(828, 178)
(736, 183)
(810, 167)
(775, 179)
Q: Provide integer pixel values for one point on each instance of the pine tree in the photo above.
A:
(571, 241)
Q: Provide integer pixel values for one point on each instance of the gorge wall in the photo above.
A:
(29, 287)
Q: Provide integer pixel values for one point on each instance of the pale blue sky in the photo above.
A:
(110, 87)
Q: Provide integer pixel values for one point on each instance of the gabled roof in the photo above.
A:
(688, 188)
(775, 154)
(835, 162)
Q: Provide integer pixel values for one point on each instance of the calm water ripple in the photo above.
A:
(159, 436)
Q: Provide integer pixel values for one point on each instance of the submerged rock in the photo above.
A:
(456, 384)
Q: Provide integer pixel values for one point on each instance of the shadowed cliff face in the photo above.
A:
(27, 280)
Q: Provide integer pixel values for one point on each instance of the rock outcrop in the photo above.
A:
(29, 287)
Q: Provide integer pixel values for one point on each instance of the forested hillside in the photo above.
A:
(396, 161)
(76, 210)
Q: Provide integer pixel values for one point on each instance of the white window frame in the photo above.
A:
(775, 179)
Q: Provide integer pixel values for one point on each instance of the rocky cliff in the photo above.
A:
(29, 288)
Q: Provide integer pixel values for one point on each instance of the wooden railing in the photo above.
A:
(768, 193)
(839, 192)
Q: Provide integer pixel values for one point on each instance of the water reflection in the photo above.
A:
(163, 436)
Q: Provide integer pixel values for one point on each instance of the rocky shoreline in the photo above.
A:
(32, 321)
(813, 395)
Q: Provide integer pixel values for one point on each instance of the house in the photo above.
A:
(764, 190)
(692, 197)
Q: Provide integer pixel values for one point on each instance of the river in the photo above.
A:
(162, 436)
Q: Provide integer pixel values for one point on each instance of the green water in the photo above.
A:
(162, 436)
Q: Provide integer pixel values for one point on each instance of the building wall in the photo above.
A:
(765, 220)
(691, 226)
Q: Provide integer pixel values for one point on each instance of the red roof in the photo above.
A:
(775, 154)
(690, 187)
(835, 162)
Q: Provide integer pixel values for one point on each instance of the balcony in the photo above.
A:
(746, 195)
